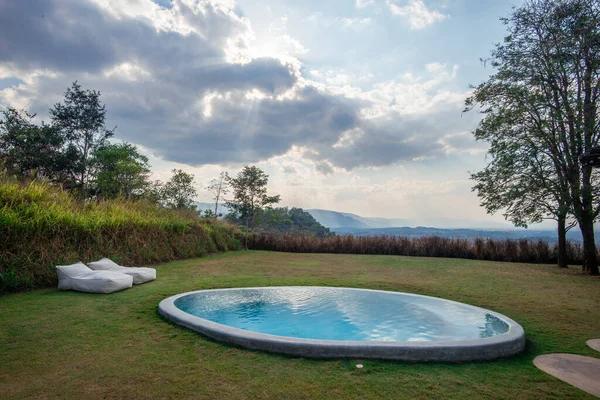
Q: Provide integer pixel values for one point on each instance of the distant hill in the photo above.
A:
(348, 223)
(335, 220)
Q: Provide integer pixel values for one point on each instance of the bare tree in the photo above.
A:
(219, 188)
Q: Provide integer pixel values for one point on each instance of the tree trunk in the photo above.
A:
(562, 242)
(247, 233)
(590, 257)
(217, 201)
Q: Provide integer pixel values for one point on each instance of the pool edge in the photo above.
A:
(504, 345)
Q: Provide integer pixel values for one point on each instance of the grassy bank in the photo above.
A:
(511, 250)
(75, 345)
(42, 226)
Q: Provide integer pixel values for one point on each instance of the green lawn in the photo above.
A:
(75, 345)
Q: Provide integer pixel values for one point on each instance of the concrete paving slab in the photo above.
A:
(579, 371)
(594, 344)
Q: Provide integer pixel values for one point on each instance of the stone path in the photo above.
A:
(579, 371)
(594, 344)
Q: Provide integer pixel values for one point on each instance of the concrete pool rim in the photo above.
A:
(504, 345)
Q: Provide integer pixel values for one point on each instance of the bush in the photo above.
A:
(42, 226)
(510, 250)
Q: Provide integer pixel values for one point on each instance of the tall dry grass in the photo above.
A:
(510, 250)
(42, 226)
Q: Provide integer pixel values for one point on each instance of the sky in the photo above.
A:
(348, 105)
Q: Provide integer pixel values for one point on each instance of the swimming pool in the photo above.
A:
(326, 322)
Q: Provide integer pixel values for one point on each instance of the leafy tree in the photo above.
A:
(29, 150)
(154, 193)
(250, 197)
(524, 186)
(119, 170)
(548, 74)
(219, 188)
(81, 120)
(520, 179)
(179, 192)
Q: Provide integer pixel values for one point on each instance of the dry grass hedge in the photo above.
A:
(42, 226)
(510, 250)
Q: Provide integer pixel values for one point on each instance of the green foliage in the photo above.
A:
(293, 221)
(42, 226)
(179, 192)
(250, 197)
(80, 120)
(208, 213)
(119, 170)
(29, 150)
(541, 112)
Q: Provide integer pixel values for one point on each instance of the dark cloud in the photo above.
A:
(64, 36)
(164, 106)
(243, 130)
(324, 168)
(395, 138)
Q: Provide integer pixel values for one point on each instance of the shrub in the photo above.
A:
(42, 226)
(511, 250)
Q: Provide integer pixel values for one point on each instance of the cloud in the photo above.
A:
(417, 13)
(324, 168)
(356, 24)
(355, 21)
(462, 142)
(183, 83)
(364, 3)
(288, 169)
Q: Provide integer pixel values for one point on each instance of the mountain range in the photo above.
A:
(335, 220)
(348, 223)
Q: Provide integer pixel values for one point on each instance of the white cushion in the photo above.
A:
(140, 274)
(67, 272)
(81, 278)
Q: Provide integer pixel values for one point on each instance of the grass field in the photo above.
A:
(75, 345)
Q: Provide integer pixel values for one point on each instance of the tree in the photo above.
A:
(119, 170)
(81, 119)
(523, 185)
(292, 221)
(249, 195)
(548, 74)
(29, 150)
(179, 192)
(218, 187)
(154, 193)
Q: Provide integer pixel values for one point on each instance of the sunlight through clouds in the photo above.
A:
(332, 99)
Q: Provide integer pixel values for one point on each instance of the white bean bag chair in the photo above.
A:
(139, 274)
(81, 278)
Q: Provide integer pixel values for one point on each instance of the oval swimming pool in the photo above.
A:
(326, 322)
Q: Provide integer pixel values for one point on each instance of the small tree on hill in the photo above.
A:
(119, 170)
(219, 188)
(250, 195)
(80, 118)
(179, 192)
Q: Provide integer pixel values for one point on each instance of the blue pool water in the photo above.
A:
(342, 314)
